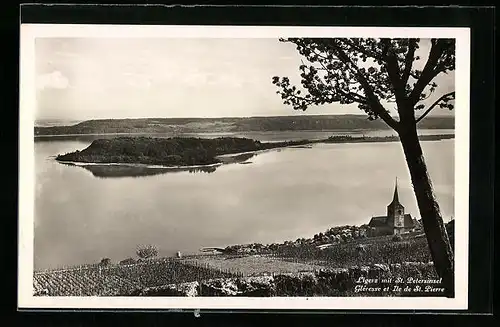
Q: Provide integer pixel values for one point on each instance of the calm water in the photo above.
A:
(280, 195)
(262, 136)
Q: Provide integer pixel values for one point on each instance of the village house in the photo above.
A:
(395, 222)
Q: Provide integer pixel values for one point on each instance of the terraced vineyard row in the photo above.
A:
(122, 280)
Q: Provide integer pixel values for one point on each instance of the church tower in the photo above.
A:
(396, 212)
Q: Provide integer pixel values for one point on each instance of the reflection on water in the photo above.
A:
(237, 158)
(116, 171)
(131, 170)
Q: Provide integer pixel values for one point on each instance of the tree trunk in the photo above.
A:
(435, 231)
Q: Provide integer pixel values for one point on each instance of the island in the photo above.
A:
(193, 152)
(176, 151)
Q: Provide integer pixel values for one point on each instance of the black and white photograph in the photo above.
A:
(243, 167)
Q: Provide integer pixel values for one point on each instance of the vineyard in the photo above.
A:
(122, 280)
(256, 265)
(367, 252)
(129, 279)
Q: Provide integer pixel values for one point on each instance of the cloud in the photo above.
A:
(54, 80)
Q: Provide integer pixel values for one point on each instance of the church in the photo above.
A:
(395, 222)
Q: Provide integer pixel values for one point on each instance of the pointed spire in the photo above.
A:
(395, 199)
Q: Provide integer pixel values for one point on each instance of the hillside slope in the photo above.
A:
(200, 125)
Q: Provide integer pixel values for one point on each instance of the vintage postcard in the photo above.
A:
(232, 167)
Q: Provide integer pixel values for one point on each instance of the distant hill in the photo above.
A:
(55, 122)
(250, 124)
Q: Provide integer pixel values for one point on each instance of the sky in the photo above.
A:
(88, 78)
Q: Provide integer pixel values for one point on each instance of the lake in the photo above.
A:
(279, 195)
(262, 136)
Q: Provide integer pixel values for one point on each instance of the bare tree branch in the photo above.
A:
(444, 96)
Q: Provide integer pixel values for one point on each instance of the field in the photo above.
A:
(308, 257)
(255, 265)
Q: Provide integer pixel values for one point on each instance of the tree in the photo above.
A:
(374, 73)
(397, 238)
(128, 261)
(147, 251)
(105, 262)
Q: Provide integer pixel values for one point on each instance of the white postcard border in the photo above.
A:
(26, 300)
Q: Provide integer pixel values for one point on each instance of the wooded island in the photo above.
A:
(190, 151)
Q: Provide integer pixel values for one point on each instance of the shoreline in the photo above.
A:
(265, 250)
(357, 132)
(229, 158)
(177, 134)
(138, 165)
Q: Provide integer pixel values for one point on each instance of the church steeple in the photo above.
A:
(395, 198)
(395, 207)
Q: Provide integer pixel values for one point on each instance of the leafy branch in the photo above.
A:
(442, 101)
(366, 71)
